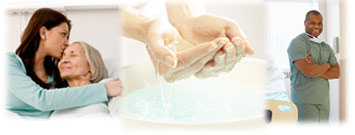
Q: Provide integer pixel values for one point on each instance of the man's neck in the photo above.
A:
(310, 35)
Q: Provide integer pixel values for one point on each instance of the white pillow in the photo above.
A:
(113, 67)
(275, 78)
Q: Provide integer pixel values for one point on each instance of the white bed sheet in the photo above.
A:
(90, 111)
(100, 110)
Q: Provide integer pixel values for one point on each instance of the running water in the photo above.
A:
(168, 89)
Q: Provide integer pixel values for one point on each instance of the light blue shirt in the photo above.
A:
(27, 98)
(313, 90)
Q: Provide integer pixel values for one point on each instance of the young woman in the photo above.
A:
(34, 86)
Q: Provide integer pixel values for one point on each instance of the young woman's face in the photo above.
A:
(56, 40)
(73, 63)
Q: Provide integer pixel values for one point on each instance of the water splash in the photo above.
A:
(166, 90)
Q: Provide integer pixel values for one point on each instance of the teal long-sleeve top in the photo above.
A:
(27, 98)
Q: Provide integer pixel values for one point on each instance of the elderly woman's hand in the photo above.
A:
(113, 88)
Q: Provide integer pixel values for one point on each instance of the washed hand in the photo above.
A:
(175, 58)
(206, 28)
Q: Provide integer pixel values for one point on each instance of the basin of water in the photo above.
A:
(234, 98)
(192, 102)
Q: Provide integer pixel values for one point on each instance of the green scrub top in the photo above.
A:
(313, 90)
(28, 99)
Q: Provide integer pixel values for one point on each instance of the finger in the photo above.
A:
(230, 50)
(192, 55)
(219, 57)
(158, 69)
(230, 66)
(220, 60)
(239, 45)
(248, 48)
(245, 43)
(162, 53)
(194, 68)
(188, 57)
(169, 79)
(206, 71)
(233, 31)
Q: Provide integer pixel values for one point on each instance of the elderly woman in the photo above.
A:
(81, 64)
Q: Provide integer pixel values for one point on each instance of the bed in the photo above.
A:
(279, 108)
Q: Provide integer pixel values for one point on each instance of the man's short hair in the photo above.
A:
(315, 12)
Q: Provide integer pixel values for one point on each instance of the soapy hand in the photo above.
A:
(175, 58)
(206, 28)
(159, 40)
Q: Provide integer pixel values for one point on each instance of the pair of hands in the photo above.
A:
(203, 46)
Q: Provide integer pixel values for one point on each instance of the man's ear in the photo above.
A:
(42, 32)
(305, 22)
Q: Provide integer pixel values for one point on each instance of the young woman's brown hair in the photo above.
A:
(48, 18)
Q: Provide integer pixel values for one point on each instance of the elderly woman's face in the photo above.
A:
(73, 63)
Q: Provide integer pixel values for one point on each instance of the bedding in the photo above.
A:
(90, 111)
(100, 110)
(276, 89)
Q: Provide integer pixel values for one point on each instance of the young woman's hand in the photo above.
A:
(113, 88)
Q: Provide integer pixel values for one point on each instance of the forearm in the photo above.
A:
(332, 73)
(180, 11)
(318, 70)
(134, 24)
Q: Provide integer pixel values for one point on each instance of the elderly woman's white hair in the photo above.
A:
(97, 66)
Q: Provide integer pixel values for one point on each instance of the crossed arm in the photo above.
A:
(332, 73)
(309, 69)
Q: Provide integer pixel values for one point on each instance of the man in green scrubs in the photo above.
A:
(312, 64)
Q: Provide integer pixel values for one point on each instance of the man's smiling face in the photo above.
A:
(314, 24)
